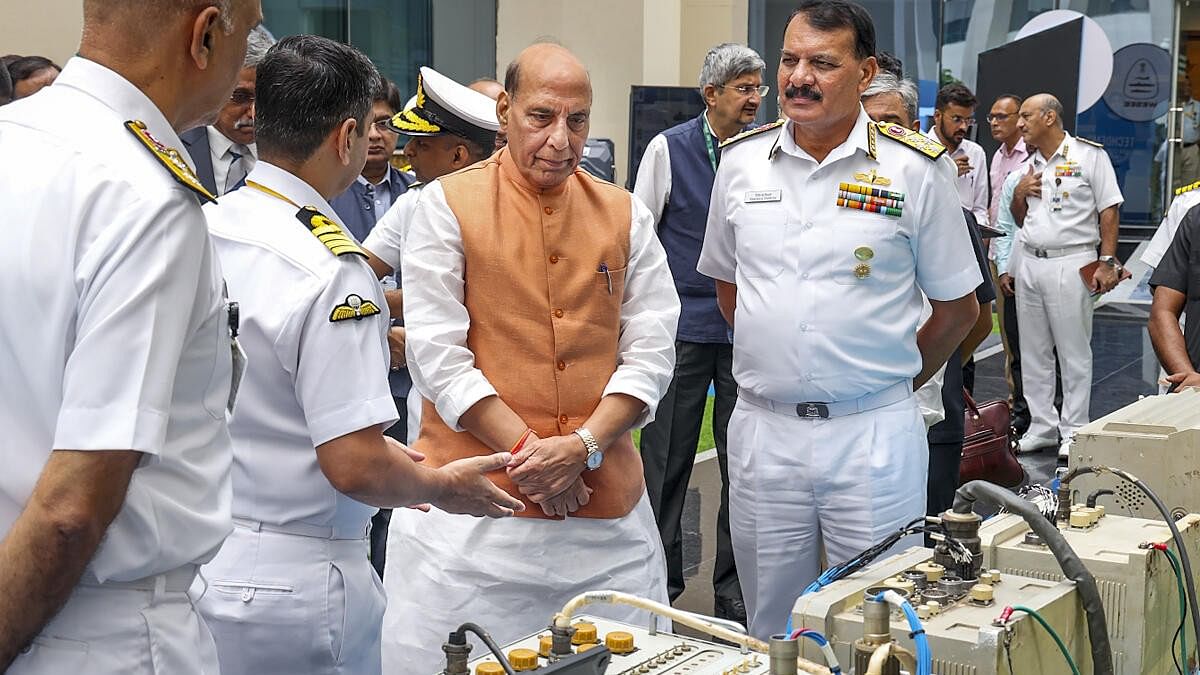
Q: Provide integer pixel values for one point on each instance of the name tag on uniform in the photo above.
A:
(756, 196)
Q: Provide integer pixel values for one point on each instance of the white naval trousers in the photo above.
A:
(509, 576)
(795, 483)
(1054, 310)
(118, 631)
(284, 603)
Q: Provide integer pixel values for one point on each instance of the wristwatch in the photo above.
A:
(595, 456)
(1111, 261)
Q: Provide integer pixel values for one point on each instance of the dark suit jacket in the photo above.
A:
(357, 212)
(196, 142)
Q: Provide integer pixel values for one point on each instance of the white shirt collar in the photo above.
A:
(387, 179)
(119, 94)
(291, 186)
(855, 141)
(219, 143)
(1067, 142)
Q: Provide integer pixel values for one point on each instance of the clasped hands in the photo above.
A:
(548, 471)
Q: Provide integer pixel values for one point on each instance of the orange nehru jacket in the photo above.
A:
(545, 317)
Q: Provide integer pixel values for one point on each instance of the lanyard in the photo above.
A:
(266, 190)
(710, 142)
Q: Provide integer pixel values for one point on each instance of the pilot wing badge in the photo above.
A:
(355, 307)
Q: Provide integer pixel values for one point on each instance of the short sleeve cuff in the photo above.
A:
(351, 417)
(460, 395)
(954, 286)
(111, 428)
(1115, 201)
(713, 270)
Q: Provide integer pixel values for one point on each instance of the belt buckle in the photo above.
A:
(812, 410)
(1041, 253)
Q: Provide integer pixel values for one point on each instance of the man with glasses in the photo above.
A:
(224, 153)
(953, 119)
(675, 180)
(377, 187)
(1009, 156)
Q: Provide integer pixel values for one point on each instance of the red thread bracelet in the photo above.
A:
(521, 442)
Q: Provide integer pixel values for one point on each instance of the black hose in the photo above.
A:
(459, 637)
(1072, 567)
(1091, 499)
(1166, 514)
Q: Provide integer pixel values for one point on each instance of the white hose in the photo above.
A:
(563, 620)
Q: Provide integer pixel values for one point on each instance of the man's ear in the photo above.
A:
(346, 132)
(503, 109)
(709, 93)
(204, 27)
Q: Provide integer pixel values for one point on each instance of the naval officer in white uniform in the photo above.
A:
(824, 230)
(115, 340)
(292, 591)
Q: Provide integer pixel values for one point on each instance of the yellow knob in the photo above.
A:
(935, 607)
(619, 642)
(489, 668)
(932, 571)
(584, 648)
(1080, 519)
(995, 576)
(585, 633)
(982, 593)
(545, 643)
(1100, 510)
(924, 612)
(523, 659)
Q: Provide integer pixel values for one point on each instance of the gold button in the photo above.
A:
(558, 314)
(562, 419)
(523, 659)
(619, 642)
(562, 365)
(553, 260)
(549, 210)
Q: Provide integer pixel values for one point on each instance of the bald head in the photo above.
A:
(488, 87)
(545, 110)
(1048, 103)
(546, 62)
(1040, 121)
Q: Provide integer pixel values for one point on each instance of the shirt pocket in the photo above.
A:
(760, 232)
(868, 249)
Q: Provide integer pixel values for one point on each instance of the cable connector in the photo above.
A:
(1005, 615)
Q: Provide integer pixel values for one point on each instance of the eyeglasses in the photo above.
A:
(747, 89)
(998, 117)
(241, 97)
(957, 120)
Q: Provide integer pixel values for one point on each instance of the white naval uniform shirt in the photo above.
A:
(219, 146)
(114, 333)
(386, 239)
(972, 186)
(1165, 233)
(443, 368)
(309, 379)
(806, 327)
(1083, 196)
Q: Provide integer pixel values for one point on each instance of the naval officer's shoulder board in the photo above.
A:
(750, 133)
(913, 139)
(1089, 141)
(328, 232)
(171, 159)
(1187, 188)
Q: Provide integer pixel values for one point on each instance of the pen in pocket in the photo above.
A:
(607, 276)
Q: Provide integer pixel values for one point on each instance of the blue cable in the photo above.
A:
(835, 668)
(924, 656)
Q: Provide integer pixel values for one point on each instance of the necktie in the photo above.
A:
(238, 169)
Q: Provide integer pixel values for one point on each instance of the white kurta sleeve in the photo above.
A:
(653, 184)
(649, 317)
(341, 366)
(138, 281)
(435, 316)
(946, 266)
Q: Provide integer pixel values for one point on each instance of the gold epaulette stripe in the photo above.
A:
(328, 232)
(1187, 188)
(1089, 141)
(750, 132)
(171, 159)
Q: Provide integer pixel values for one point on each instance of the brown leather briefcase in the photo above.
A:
(989, 444)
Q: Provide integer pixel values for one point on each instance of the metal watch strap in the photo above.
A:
(589, 441)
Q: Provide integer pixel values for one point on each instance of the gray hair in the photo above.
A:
(728, 61)
(257, 44)
(887, 83)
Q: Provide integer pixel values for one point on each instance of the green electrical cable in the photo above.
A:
(1057, 640)
(1177, 567)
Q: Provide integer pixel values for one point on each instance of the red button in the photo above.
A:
(562, 419)
(558, 313)
(553, 259)
(562, 365)
(549, 210)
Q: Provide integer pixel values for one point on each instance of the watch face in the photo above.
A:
(594, 459)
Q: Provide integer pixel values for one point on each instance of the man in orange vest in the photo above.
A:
(541, 318)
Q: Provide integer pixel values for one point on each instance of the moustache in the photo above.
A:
(242, 123)
(803, 91)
